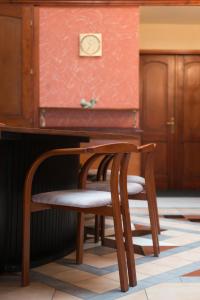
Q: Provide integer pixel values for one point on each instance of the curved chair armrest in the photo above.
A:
(46, 155)
(146, 148)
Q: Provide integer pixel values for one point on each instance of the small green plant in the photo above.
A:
(88, 104)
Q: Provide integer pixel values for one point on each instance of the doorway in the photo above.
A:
(170, 105)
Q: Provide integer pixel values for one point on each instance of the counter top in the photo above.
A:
(102, 133)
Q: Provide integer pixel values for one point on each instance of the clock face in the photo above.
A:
(90, 44)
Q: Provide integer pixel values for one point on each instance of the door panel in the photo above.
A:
(155, 89)
(190, 101)
(16, 82)
(157, 94)
(188, 112)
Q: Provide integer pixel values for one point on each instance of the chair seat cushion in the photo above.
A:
(130, 178)
(132, 187)
(136, 179)
(76, 198)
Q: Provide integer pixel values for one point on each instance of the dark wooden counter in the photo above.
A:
(98, 133)
(53, 232)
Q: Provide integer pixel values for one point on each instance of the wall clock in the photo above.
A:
(90, 44)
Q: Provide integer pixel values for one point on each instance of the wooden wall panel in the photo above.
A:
(16, 66)
(11, 66)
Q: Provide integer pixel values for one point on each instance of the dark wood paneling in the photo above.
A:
(10, 66)
(16, 66)
(53, 232)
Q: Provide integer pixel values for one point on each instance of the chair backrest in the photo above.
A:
(107, 153)
(146, 150)
(118, 154)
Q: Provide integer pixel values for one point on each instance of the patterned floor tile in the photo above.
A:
(64, 296)
(193, 274)
(51, 269)
(34, 291)
(137, 296)
(73, 276)
(174, 291)
(98, 285)
(176, 271)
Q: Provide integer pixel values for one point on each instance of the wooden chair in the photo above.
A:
(84, 201)
(139, 188)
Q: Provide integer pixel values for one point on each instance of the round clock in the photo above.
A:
(90, 44)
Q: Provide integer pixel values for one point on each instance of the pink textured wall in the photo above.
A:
(65, 77)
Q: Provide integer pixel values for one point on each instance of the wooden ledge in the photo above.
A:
(97, 133)
(94, 109)
(106, 2)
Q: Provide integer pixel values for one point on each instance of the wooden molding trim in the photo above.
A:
(168, 52)
(61, 109)
(106, 2)
(75, 117)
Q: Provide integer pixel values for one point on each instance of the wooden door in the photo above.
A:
(170, 106)
(157, 84)
(16, 82)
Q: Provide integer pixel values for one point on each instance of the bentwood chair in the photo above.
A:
(84, 201)
(139, 188)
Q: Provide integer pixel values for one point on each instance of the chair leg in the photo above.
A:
(121, 256)
(129, 246)
(80, 237)
(26, 247)
(102, 226)
(96, 228)
(154, 225)
(154, 200)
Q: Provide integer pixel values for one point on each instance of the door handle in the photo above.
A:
(171, 123)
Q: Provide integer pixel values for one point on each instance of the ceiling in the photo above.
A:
(170, 14)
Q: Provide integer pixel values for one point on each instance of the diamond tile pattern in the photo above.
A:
(176, 271)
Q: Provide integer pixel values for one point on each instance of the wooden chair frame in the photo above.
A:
(148, 194)
(119, 209)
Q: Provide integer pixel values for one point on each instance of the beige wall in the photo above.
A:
(170, 36)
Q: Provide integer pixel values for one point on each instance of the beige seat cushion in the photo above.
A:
(130, 178)
(132, 187)
(76, 198)
(136, 179)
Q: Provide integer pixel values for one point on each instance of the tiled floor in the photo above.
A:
(175, 275)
